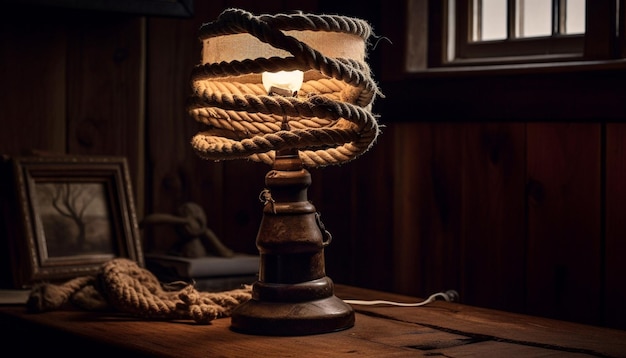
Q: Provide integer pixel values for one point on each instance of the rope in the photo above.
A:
(122, 285)
(330, 119)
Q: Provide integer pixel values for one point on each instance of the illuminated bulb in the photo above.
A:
(284, 80)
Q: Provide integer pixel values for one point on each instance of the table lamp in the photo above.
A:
(292, 91)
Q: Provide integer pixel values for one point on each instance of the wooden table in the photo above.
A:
(438, 329)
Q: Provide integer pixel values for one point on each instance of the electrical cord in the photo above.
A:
(449, 296)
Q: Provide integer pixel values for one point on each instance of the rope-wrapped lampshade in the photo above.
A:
(329, 120)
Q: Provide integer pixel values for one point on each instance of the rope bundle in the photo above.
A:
(330, 119)
(124, 286)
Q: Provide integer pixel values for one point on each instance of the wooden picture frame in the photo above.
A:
(70, 215)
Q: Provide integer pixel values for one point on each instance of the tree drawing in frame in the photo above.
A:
(65, 216)
(75, 218)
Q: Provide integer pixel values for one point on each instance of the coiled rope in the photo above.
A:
(122, 286)
(330, 119)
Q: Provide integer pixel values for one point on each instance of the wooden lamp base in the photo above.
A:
(283, 318)
(293, 295)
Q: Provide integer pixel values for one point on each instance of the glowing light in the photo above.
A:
(286, 80)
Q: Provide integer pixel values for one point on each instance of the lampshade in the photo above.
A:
(330, 119)
(292, 91)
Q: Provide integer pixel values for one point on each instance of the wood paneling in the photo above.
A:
(494, 215)
(105, 89)
(33, 71)
(614, 248)
(74, 84)
(371, 231)
(331, 191)
(427, 210)
(175, 174)
(564, 220)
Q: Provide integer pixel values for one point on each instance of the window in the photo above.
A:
(491, 32)
(519, 19)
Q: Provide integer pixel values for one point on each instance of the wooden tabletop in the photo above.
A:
(438, 329)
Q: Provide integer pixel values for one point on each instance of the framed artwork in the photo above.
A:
(71, 215)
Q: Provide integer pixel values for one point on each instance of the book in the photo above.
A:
(11, 297)
(216, 284)
(184, 268)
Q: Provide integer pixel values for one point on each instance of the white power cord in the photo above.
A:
(450, 296)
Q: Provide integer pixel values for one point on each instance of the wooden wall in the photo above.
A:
(507, 188)
(514, 190)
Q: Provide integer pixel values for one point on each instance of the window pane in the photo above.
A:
(534, 18)
(575, 17)
(489, 20)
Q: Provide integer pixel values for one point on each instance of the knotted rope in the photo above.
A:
(123, 286)
(330, 119)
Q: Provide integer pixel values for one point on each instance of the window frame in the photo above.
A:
(528, 49)
(599, 42)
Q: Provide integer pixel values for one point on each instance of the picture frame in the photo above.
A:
(68, 215)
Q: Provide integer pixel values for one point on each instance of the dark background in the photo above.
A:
(506, 186)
